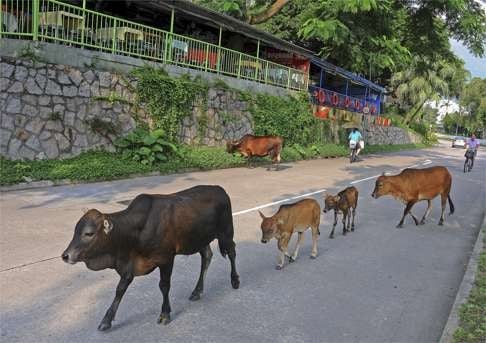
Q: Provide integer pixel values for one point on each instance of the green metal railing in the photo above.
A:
(55, 21)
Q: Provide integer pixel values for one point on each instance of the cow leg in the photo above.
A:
(354, 213)
(283, 243)
(315, 236)
(427, 211)
(125, 281)
(297, 246)
(331, 235)
(164, 285)
(206, 255)
(405, 212)
(443, 202)
(345, 214)
(235, 279)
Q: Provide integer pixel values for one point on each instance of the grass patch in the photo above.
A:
(472, 325)
(102, 165)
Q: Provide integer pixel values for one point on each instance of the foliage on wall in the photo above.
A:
(168, 99)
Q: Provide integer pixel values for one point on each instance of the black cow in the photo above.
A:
(149, 234)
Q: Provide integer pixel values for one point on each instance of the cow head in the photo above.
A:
(382, 187)
(231, 146)
(330, 202)
(269, 227)
(91, 236)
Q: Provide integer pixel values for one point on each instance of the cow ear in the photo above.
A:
(107, 226)
(84, 209)
(337, 198)
(383, 174)
(261, 215)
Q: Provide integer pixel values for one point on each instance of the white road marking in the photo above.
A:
(277, 202)
(413, 166)
(365, 179)
(427, 162)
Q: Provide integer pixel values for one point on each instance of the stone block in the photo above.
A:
(27, 153)
(45, 135)
(4, 84)
(21, 73)
(6, 70)
(63, 79)
(50, 148)
(54, 125)
(84, 90)
(14, 147)
(13, 105)
(35, 125)
(7, 121)
(81, 141)
(20, 120)
(21, 134)
(44, 100)
(29, 110)
(16, 87)
(5, 137)
(105, 79)
(57, 100)
(53, 88)
(69, 118)
(75, 76)
(69, 91)
(63, 143)
(41, 80)
(33, 143)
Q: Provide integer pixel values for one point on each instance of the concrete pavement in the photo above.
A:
(378, 284)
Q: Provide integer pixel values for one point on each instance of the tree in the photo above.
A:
(375, 38)
(473, 100)
(426, 80)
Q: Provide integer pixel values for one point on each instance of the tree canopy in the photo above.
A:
(375, 38)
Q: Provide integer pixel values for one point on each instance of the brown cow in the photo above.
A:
(344, 201)
(260, 146)
(413, 185)
(291, 218)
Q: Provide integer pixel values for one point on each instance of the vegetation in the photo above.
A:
(168, 99)
(471, 117)
(370, 37)
(472, 327)
(91, 166)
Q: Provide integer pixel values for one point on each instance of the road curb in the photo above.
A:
(465, 288)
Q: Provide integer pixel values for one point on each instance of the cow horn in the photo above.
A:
(261, 215)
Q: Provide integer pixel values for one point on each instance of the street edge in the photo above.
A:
(467, 284)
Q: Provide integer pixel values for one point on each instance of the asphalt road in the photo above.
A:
(378, 284)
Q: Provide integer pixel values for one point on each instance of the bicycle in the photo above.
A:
(468, 164)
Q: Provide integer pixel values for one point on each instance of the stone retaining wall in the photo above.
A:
(377, 134)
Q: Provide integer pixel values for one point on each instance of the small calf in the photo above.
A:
(342, 202)
(290, 218)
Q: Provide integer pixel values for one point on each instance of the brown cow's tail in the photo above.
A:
(451, 205)
(226, 243)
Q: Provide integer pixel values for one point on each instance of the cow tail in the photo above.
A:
(225, 238)
(451, 205)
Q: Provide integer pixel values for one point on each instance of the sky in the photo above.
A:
(477, 66)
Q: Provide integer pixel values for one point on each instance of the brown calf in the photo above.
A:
(250, 145)
(344, 201)
(413, 185)
(291, 218)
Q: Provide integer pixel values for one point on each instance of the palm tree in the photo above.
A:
(425, 80)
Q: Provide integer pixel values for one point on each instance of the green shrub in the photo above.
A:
(146, 147)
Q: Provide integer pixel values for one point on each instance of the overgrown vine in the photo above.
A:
(168, 100)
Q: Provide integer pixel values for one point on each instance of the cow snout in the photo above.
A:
(373, 195)
(324, 210)
(68, 258)
(264, 241)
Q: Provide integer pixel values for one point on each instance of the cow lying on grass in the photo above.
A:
(344, 202)
(413, 185)
(291, 218)
(149, 234)
(260, 146)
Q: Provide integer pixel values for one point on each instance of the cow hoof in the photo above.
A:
(278, 267)
(104, 326)
(291, 259)
(331, 236)
(422, 222)
(235, 282)
(195, 296)
(441, 223)
(399, 226)
(312, 257)
(352, 229)
(164, 319)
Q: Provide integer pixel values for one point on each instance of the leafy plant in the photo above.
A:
(147, 147)
(54, 116)
(112, 98)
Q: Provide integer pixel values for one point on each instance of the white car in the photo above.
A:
(459, 142)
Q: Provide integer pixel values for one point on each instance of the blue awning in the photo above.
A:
(332, 69)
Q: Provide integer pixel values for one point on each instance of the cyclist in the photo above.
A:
(472, 146)
(356, 138)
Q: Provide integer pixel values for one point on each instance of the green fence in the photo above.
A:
(55, 21)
